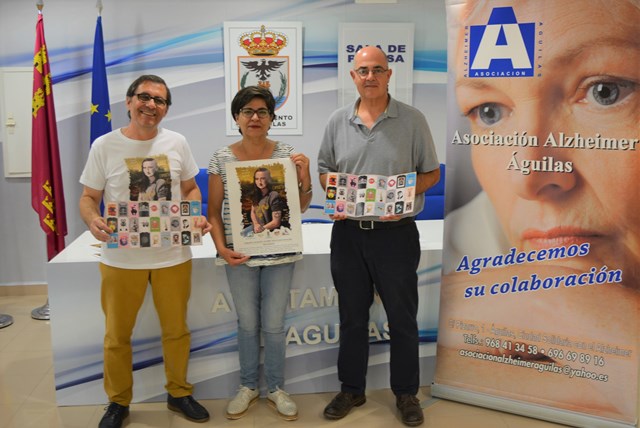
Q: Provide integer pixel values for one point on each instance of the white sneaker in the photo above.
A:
(238, 407)
(283, 404)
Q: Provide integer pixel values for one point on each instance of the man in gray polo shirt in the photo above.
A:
(377, 135)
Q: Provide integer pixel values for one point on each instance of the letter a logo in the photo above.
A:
(503, 47)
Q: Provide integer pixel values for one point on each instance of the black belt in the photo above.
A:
(378, 225)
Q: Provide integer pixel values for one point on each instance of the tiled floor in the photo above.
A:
(27, 396)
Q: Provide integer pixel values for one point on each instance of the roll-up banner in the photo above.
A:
(539, 306)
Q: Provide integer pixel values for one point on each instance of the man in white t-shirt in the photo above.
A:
(113, 171)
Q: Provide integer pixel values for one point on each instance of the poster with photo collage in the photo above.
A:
(369, 194)
(156, 224)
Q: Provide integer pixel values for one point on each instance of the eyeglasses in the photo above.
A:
(249, 112)
(377, 71)
(145, 98)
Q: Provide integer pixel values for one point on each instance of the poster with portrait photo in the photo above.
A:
(265, 206)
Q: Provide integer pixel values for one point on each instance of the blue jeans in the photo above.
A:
(261, 295)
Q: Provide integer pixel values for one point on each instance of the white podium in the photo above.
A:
(77, 324)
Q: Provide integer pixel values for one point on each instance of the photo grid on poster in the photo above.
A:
(142, 224)
(369, 194)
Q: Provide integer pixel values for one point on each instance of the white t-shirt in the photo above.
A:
(114, 166)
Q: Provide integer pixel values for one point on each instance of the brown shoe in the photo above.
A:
(342, 404)
(410, 410)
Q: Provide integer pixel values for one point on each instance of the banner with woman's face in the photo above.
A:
(541, 286)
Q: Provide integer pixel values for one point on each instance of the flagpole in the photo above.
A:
(100, 112)
(41, 312)
(52, 183)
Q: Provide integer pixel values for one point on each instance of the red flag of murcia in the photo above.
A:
(47, 195)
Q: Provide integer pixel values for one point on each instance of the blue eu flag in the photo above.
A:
(100, 107)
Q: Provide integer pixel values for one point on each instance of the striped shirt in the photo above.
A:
(217, 167)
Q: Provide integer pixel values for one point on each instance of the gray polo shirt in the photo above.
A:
(399, 141)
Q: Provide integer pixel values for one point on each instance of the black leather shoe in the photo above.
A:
(410, 410)
(114, 416)
(342, 404)
(189, 407)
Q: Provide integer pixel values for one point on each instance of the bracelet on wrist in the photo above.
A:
(306, 192)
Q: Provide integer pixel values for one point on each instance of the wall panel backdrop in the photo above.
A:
(182, 42)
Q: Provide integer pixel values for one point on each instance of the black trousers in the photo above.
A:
(386, 259)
